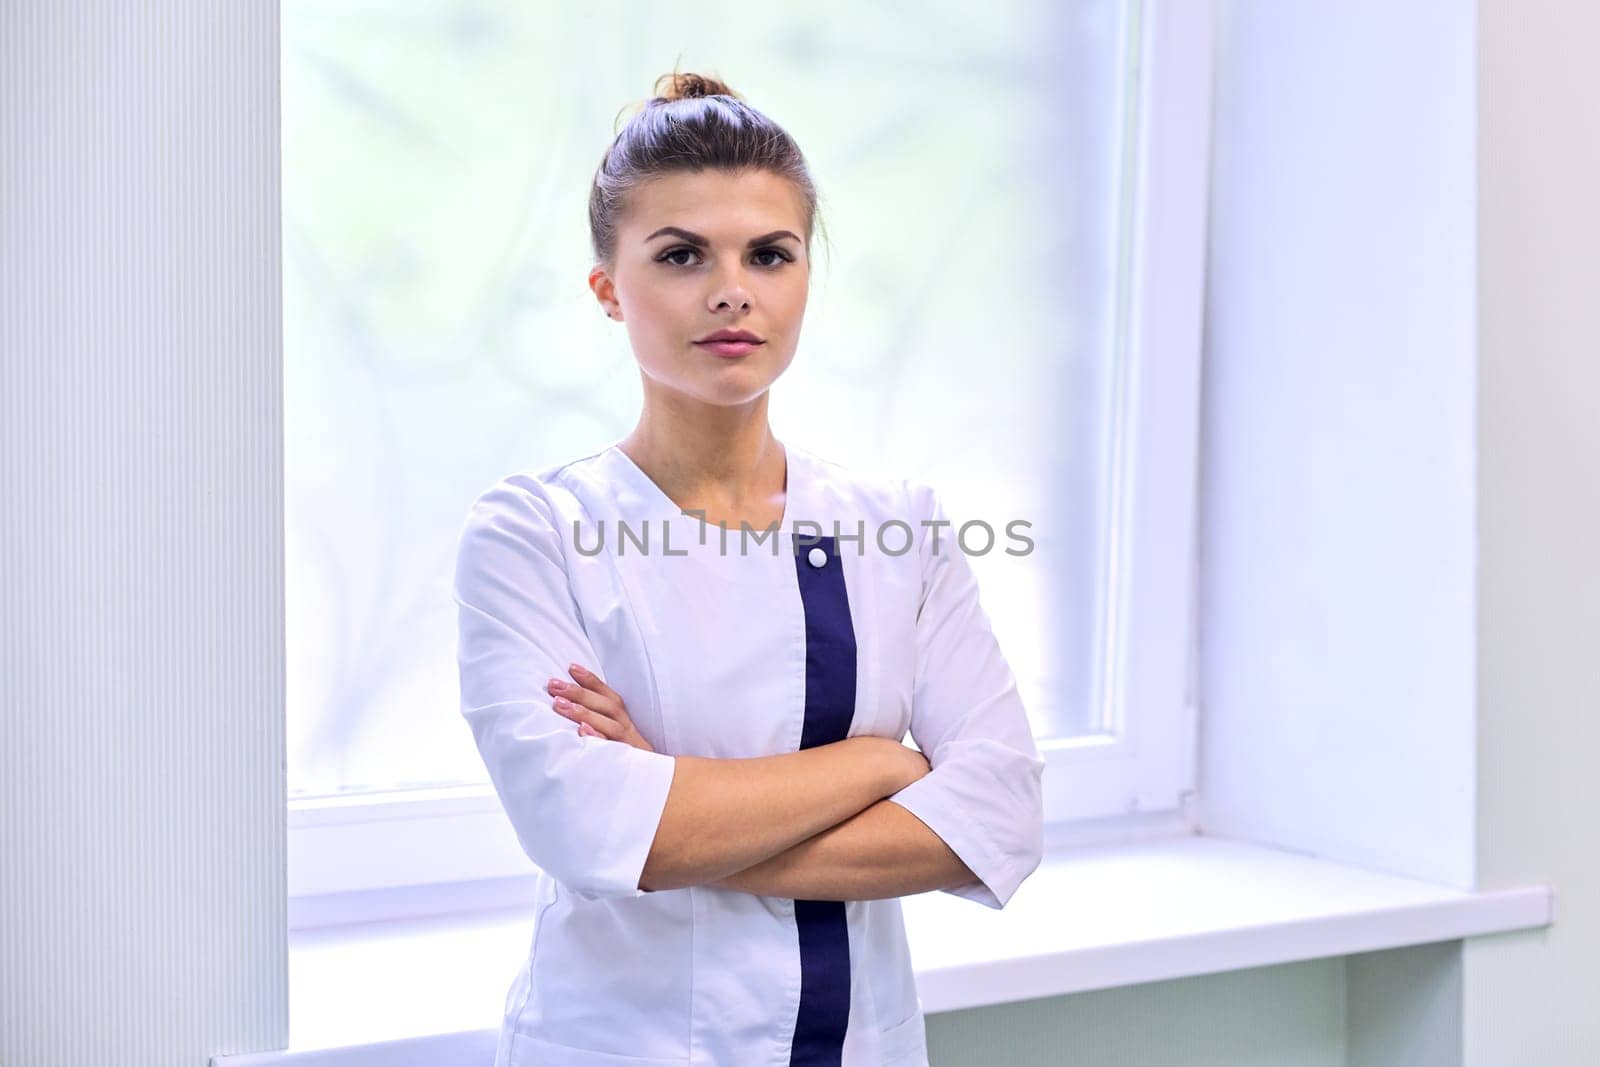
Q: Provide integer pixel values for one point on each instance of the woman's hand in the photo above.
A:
(595, 707)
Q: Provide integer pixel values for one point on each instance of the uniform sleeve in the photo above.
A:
(982, 795)
(585, 809)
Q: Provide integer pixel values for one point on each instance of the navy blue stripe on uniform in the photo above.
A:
(830, 706)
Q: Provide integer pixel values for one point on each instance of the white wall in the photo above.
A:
(1284, 1016)
(1337, 471)
(141, 532)
(1530, 997)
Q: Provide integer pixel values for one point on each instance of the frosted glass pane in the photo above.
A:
(439, 333)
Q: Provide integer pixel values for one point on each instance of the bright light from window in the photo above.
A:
(439, 333)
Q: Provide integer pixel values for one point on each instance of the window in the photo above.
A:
(1009, 310)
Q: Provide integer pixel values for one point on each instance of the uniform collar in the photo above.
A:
(639, 497)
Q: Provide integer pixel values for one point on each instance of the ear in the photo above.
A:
(605, 291)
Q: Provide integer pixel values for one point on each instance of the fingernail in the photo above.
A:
(563, 702)
(555, 683)
(575, 669)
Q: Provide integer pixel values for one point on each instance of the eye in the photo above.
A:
(671, 254)
(678, 251)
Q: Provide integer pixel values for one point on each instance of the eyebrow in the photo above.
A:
(701, 242)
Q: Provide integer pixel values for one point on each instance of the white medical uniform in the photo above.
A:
(800, 640)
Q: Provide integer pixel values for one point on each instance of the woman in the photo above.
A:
(689, 661)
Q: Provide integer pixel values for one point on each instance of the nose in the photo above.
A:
(730, 295)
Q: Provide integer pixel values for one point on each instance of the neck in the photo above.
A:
(730, 458)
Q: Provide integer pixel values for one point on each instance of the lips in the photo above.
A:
(730, 342)
(730, 334)
(730, 348)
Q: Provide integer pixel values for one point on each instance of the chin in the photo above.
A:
(728, 385)
(730, 397)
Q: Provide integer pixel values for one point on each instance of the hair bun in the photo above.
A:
(681, 86)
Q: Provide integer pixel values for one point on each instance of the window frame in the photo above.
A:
(436, 851)
(1145, 762)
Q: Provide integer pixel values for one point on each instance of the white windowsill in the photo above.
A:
(430, 991)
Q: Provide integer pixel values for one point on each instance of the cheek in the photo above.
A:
(652, 307)
(656, 320)
(787, 298)
(658, 332)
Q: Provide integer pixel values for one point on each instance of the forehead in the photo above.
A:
(709, 199)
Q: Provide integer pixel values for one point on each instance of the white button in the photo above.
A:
(817, 557)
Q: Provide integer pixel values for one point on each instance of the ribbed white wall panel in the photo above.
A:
(142, 786)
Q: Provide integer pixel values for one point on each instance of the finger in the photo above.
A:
(593, 701)
(589, 731)
(580, 714)
(591, 681)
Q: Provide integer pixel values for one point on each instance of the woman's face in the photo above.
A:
(702, 252)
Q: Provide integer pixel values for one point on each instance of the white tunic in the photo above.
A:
(798, 640)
